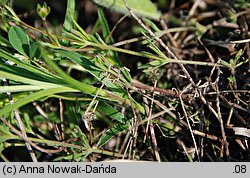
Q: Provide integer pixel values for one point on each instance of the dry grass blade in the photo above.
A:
(241, 131)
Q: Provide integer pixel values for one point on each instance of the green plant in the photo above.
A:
(40, 82)
(69, 93)
(242, 4)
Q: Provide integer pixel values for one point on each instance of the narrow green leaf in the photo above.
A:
(126, 74)
(85, 35)
(34, 96)
(4, 138)
(239, 54)
(71, 112)
(75, 156)
(34, 50)
(70, 12)
(152, 25)
(113, 131)
(104, 25)
(23, 76)
(108, 110)
(151, 45)
(22, 88)
(4, 130)
(89, 66)
(83, 137)
(42, 73)
(12, 13)
(68, 24)
(155, 63)
(89, 89)
(19, 40)
(143, 8)
(27, 123)
(105, 34)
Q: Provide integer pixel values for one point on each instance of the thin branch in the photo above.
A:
(205, 135)
(62, 118)
(26, 139)
(168, 93)
(115, 27)
(21, 126)
(190, 128)
(50, 124)
(224, 143)
(150, 125)
(134, 128)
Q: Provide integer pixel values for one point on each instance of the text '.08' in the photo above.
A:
(240, 169)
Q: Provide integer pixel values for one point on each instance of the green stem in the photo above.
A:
(151, 56)
(140, 54)
(47, 31)
(69, 145)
